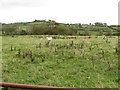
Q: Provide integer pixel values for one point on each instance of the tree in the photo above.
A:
(86, 32)
(52, 29)
(105, 24)
(99, 24)
(8, 29)
(109, 33)
(37, 29)
(100, 33)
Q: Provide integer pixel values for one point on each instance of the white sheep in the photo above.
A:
(49, 38)
(104, 37)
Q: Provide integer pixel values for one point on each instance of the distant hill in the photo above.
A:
(53, 27)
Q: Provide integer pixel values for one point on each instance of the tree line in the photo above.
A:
(54, 28)
(41, 29)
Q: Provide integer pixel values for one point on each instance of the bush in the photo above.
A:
(86, 33)
(37, 29)
(108, 33)
(8, 29)
(51, 29)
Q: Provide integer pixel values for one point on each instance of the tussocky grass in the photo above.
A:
(84, 62)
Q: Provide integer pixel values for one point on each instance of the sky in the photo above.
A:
(63, 11)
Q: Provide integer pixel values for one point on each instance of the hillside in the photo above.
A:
(55, 28)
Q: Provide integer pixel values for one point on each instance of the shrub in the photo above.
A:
(8, 29)
(51, 29)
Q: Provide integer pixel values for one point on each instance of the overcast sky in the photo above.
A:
(64, 11)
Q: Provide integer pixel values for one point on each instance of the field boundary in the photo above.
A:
(23, 86)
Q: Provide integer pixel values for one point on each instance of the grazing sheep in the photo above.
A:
(49, 38)
(104, 37)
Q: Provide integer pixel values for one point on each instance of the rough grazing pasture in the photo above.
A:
(65, 61)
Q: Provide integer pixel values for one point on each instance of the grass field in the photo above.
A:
(66, 61)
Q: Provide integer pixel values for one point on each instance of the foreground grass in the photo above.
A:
(80, 62)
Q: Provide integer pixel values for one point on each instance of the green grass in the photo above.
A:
(37, 23)
(84, 62)
(90, 32)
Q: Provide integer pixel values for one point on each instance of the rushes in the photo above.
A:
(71, 44)
(19, 52)
(43, 51)
(39, 45)
(25, 54)
(47, 43)
(11, 48)
(87, 56)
